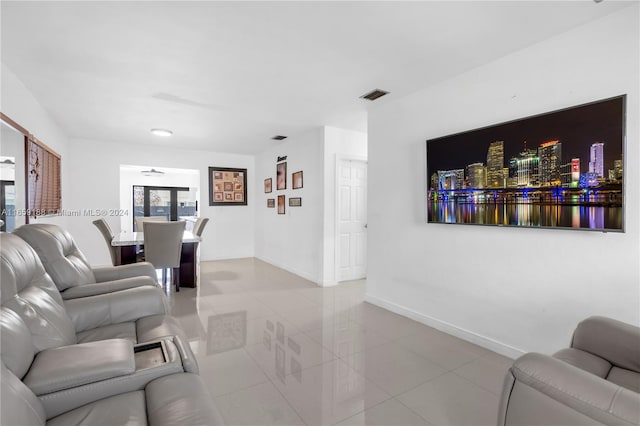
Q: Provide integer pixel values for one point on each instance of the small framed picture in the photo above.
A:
(281, 176)
(281, 206)
(267, 186)
(295, 202)
(296, 180)
(271, 202)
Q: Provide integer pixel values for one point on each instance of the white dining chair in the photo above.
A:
(141, 219)
(199, 226)
(106, 232)
(163, 248)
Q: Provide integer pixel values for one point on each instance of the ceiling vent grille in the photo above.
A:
(278, 137)
(373, 95)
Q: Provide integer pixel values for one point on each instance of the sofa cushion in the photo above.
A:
(610, 339)
(181, 399)
(47, 320)
(125, 330)
(15, 343)
(59, 254)
(625, 378)
(25, 407)
(124, 409)
(156, 326)
(145, 329)
(585, 361)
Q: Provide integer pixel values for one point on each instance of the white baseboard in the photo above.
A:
(294, 271)
(469, 336)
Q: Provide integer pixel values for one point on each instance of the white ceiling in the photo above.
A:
(227, 76)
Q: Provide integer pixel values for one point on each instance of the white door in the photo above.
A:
(351, 250)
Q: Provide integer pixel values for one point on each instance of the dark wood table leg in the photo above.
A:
(126, 255)
(189, 265)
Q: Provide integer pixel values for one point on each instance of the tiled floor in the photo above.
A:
(274, 349)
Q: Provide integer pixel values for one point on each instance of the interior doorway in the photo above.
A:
(158, 191)
(351, 221)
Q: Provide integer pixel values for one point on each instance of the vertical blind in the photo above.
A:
(43, 176)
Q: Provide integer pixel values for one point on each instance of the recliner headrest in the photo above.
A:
(59, 254)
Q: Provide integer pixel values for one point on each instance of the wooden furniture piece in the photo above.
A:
(126, 243)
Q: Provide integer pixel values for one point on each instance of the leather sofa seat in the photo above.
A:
(51, 376)
(69, 269)
(596, 381)
(175, 400)
(138, 314)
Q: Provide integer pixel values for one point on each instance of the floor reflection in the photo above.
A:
(275, 349)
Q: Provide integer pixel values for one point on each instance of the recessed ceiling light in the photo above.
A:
(162, 132)
(278, 137)
(374, 94)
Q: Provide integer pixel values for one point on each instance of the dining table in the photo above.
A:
(128, 244)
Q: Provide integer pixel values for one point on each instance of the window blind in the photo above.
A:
(44, 183)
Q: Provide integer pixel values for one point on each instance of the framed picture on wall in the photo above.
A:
(295, 202)
(267, 186)
(296, 180)
(227, 186)
(281, 206)
(271, 202)
(281, 176)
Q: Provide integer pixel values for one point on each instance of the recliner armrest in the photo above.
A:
(65, 367)
(574, 388)
(113, 308)
(112, 273)
(107, 287)
(612, 340)
(56, 403)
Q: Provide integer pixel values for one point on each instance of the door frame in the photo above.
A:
(336, 214)
(3, 201)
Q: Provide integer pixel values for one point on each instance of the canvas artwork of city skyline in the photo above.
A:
(562, 169)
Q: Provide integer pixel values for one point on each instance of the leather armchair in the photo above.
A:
(70, 270)
(596, 381)
(179, 399)
(138, 314)
(73, 362)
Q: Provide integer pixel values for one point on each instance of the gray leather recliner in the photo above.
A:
(179, 399)
(594, 382)
(137, 314)
(70, 270)
(75, 362)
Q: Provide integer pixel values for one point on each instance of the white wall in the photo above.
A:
(19, 104)
(302, 241)
(94, 174)
(292, 241)
(513, 290)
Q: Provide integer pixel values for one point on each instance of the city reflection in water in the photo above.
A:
(527, 215)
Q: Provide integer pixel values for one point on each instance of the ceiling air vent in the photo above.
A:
(373, 95)
(278, 137)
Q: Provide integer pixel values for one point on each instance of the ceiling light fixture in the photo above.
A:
(152, 172)
(162, 132)
(374, 94)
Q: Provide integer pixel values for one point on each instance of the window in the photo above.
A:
(169, 202)
(43, 179)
